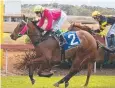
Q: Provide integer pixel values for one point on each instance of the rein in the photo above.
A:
(25, 30)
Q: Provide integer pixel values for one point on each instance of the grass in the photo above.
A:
(41, 82)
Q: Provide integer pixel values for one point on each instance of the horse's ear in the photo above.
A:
(24, 17)
(70, 22)
(74, 23)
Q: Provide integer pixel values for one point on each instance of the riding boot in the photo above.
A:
(108, 42)
(62, 55)
(60, 37)
(112, 41)
(61, 43)
(62, 40)
(106, 57)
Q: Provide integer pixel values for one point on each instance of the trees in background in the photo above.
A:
(82, 10)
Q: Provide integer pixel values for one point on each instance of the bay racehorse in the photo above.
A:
(100, 40)
(81, 48)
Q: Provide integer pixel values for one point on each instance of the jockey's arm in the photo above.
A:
(103, 29)
(49, 20)
(103, 25)
(41, 22)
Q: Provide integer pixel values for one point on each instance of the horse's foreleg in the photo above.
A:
(31, 70)
(90, 65)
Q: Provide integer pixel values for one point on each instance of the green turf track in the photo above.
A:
(41, 82)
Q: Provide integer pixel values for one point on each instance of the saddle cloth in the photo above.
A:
(72, 40)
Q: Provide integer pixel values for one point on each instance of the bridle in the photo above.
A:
(26, 31)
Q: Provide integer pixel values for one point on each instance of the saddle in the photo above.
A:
(60, 40)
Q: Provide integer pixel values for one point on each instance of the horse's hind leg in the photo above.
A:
(90, 65)
(65, 79)
(31, 70)
(76, 67)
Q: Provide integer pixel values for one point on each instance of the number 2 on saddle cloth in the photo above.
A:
(72, 40)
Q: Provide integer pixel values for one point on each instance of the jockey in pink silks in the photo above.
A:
(55, 19)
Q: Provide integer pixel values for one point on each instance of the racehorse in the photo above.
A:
(101, 41)
(80, 46)
(79, 26)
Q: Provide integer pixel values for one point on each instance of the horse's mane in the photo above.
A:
(83, 27)
(34, 23)
(79, 26)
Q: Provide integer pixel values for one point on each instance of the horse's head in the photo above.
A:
(15, 34)
(29, 29)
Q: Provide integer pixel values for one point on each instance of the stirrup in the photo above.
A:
(63, 61)
(61, 43)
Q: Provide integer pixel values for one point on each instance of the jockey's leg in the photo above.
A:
(57, 26)
(112, 40)
(106, 57)
(60, 37)
(108, 41)
(106, 53)
(110, 34)
(58, 31)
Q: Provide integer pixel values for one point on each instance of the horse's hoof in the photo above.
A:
(84, 86)
(56, 85)
(66, 85)
(33, 81)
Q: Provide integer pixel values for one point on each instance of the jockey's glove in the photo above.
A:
(34, 22)
(103, 33)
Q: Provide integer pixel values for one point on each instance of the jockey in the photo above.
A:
(55, 19)
(103, 22)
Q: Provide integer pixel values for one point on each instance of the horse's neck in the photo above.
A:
(33, 39)
(34, 36)
(81, 27)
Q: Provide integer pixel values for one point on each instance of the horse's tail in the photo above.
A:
(99, 44)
